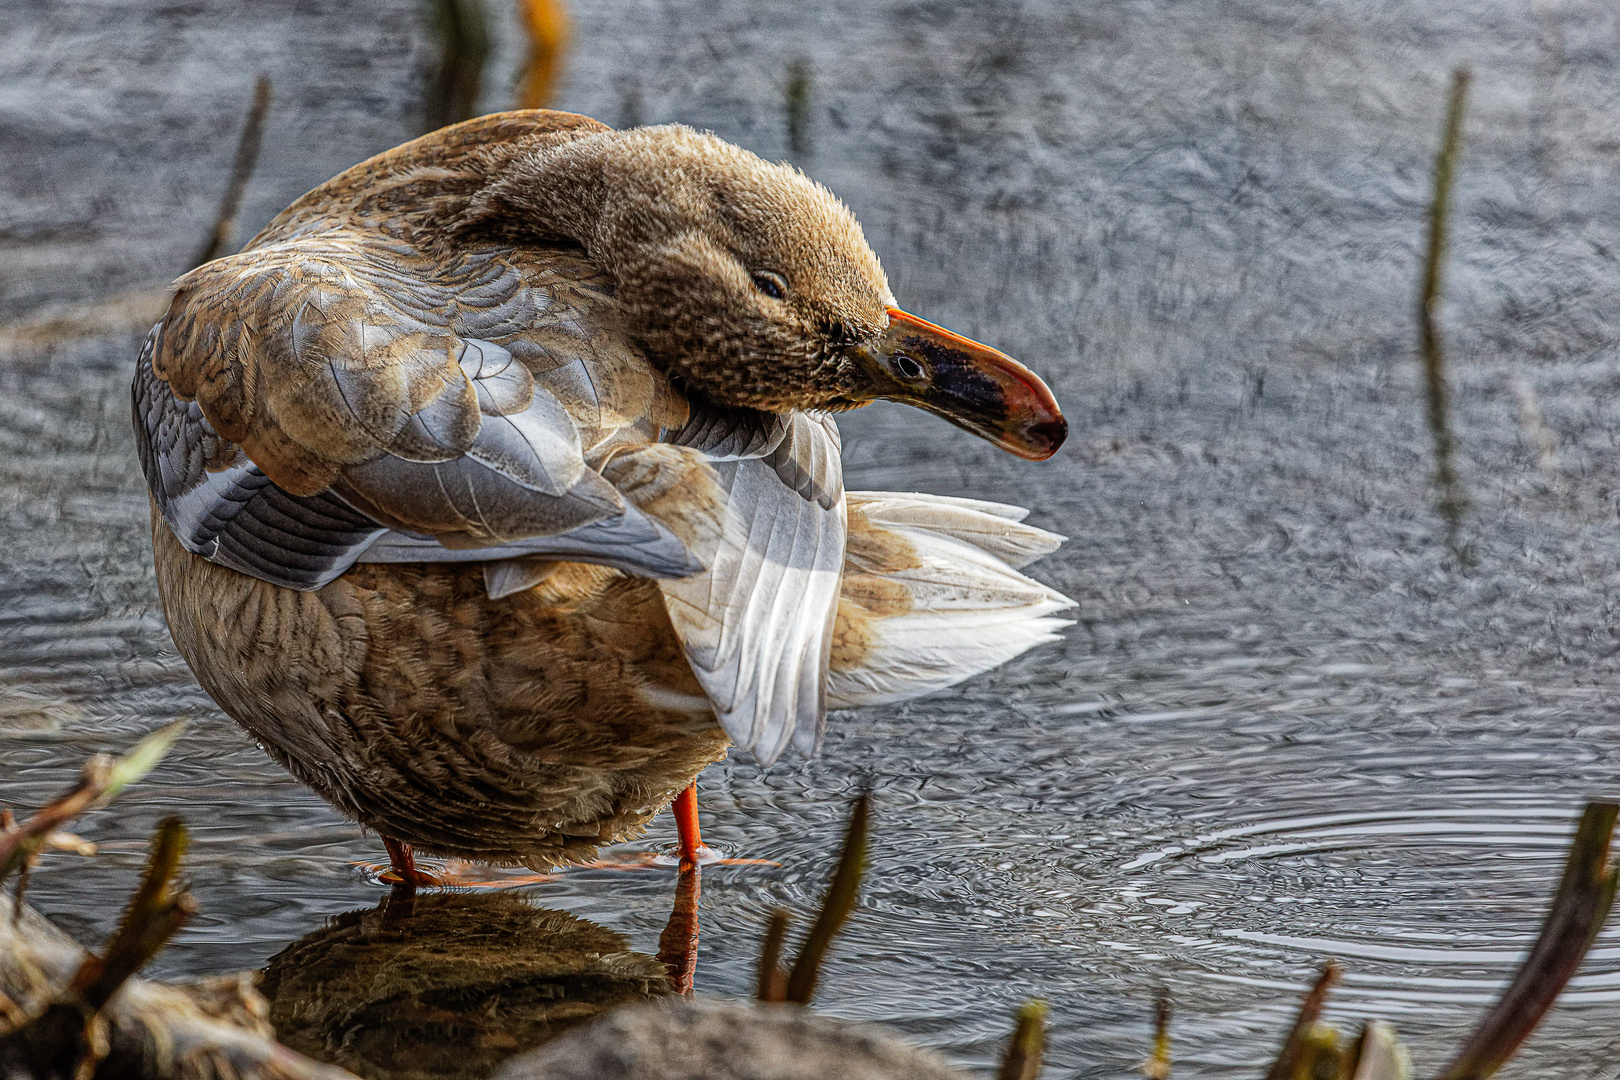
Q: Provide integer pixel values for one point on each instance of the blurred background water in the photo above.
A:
(1289, 725)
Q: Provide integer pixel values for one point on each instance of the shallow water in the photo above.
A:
(1288, 725)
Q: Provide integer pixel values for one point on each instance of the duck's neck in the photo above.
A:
(620, 196)
(559, 192)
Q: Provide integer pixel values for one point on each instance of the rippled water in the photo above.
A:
(1287, 727)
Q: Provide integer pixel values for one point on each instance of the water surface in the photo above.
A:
(1289, 725)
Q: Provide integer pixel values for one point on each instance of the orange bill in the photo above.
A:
(975, 387)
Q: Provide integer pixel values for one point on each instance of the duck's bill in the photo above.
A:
(973, 386)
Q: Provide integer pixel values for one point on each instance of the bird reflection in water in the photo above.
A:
(678, 943)
(452, 984)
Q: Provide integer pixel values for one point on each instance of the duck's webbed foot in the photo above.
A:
(403, 873)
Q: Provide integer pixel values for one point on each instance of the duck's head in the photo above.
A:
(755, 286)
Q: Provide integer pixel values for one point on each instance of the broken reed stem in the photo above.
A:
(154, 913)
(546, 22)
(1310, 1010)
(1157, 1066)
(835, 908)
(796, 104)
(1453, 501)
(1023, 1058)
(21, 889)
(247, 158)
(101, 779)
(1579, 908)
(21, 841)
(1377, 1055)
(463, 33)
(71, 1035)
(772, 984)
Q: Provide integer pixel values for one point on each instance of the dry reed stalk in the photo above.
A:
(242, 166)
(1453, 501)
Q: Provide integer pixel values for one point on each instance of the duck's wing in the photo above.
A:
(328, 400)
(757, 624)
(313, 403)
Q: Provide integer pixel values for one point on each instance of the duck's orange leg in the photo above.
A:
(689, 846)
(686, 826)
(403, 874)
(677, 945)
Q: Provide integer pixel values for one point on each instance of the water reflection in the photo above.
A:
(449, 984)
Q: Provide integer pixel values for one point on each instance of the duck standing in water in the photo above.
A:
(496, 488)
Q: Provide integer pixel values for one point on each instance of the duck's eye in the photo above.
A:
(770, 284)
(906, 367)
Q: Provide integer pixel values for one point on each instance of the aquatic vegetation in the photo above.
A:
(462, 30)
(1157, 1065)
(546, 23)
(798, 985)
(796, 105)
(242, 165)
(453, 985)
(65, 1012)
(1585, 895)
(1583, 901)
(1023, 1058)
(99, 783)
(135, 310)
(1453, 500)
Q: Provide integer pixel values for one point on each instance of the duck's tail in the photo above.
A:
(932, 595)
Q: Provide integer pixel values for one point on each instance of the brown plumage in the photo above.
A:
(483, 482)
(504, 730)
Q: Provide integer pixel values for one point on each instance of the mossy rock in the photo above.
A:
(679, 1039)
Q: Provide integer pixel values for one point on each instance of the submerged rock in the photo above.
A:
(726, 1040)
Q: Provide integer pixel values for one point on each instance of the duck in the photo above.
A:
(496, 486)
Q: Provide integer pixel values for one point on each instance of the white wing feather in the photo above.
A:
(757, 625)
(967, 609)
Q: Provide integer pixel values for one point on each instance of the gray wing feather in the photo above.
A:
(537, 448)
(734, 434)
(235, 516)
(471, 452)
(472, 460)
(633, 542)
